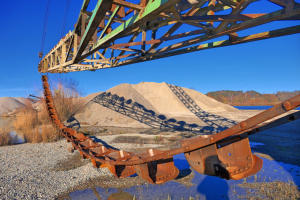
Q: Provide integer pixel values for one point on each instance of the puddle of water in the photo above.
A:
(7, 123)
(255, 144)
(16, 138)
(200, 186)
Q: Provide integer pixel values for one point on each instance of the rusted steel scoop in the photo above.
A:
(120, 171)
(228, 160)
(158, 171)
(100, 151)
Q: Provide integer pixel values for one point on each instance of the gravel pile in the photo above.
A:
(27, 171)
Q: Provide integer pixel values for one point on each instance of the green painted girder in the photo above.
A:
(98, 14)
(153, 8)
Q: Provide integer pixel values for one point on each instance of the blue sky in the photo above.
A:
(265, 66)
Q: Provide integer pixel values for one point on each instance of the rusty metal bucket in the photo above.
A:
(120, 171)
(159, 171)
(98, 152)
(229, 160)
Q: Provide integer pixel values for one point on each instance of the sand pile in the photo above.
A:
(97, 115)
(166, 102)
(88, 98)
(10, 104)
(129, 91)
(153, 96)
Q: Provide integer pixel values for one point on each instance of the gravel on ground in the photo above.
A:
(27, 171)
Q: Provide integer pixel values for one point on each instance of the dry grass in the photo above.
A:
(49, 133)
(5, 138)
(66, 101)
(34, 123)
(28, 124)
(271, 190)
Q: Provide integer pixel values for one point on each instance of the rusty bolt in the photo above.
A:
(70, 149)
(151, 152)
(122, 154)
(103, 149)
(243, 125)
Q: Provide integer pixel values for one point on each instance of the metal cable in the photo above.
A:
(44, 29)
(63, 27)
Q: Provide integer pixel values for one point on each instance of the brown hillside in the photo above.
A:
(10, 104)
(250, 98)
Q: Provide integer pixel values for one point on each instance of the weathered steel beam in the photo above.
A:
(153, 8)
(98, 14)
(109, 22)
(222, 43)
(277, 15)
(214, 18)
(153, 42)
(128, 4)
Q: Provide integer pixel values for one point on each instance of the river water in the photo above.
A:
(256, 107)
(7, 123)
(199, 186)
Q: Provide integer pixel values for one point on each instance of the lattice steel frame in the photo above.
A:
(119, 32)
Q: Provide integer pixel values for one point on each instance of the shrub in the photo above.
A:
(34, 122)
(66, 101)
(49, 133)
(5, 138)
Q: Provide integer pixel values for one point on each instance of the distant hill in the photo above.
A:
(10, 104)
(250, 98)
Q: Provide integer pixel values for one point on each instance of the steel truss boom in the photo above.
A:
(122, 32)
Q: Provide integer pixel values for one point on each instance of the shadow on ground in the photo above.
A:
(282, 144)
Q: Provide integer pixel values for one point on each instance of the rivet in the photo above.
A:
(122, 154)
(151, 152)
(243, 125)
